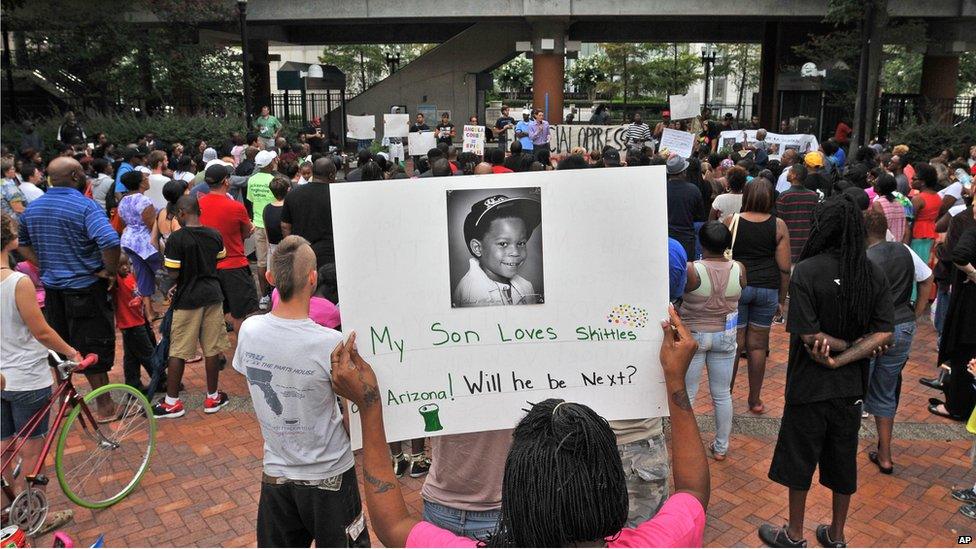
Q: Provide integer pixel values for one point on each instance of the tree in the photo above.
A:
(587, 72)
(363, 62)
(621, 58)
(669, 70)
(515, 76)
(739, 63)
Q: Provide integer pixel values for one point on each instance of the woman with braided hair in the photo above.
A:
(563, 483)
(841, 314)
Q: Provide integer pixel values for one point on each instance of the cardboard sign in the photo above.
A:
(361, 127)
(563, 138)
(473, 140)
(778, 142)
(418, 143)
(684, 106)
(678, 142)
(396, 125)
(569, 311)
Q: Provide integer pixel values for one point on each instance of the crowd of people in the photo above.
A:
(156, 239)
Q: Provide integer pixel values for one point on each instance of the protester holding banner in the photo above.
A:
(638, 133)
(579, 497)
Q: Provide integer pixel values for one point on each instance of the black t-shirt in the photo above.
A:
(309, 211)
(419, 128)
(817, 182)
(896, 262)
(195, 251)
(815, 307)
(684, 201)
(272, 223)
(444, 132)
(501, 123)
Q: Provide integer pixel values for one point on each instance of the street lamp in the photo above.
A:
(248, 110)
(392, 61)
(708, 56)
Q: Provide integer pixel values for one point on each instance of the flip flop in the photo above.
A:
(934, 410)
(935, 401)
(873, 456)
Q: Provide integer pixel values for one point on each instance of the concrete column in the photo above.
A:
(940, 74)
(769, 61)
(548, 69)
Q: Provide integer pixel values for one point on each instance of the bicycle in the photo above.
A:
(98, 460)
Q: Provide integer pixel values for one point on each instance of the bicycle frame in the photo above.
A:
(70, 398)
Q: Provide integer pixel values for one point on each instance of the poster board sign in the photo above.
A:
(684, 106)
(778, 142)
(396, 125)
(361, 127)
(564, 137)
(678, 142)
(473, 140)
(578, 319)
(418, 143)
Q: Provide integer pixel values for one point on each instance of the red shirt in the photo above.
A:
(843, 133)
(500, 169)
(228, 217)
(128, 307)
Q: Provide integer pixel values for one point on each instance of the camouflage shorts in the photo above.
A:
(646, 469)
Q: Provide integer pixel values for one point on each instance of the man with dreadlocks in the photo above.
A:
(841, 314)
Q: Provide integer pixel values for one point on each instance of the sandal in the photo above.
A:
(873, 457)
(934, 410)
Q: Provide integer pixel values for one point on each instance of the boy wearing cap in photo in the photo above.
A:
(496, 231)
(259, 193)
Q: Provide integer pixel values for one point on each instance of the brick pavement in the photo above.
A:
(202, 488)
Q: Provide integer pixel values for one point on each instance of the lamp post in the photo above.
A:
(248, 109)
(392, 61)
(708, 56)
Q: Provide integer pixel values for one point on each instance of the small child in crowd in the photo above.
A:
(496, 231)
(138, 339)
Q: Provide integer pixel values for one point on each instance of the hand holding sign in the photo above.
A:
(361, 127)
(353, 377)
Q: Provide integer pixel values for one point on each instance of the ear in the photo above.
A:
(313, 279)
(475, 246)
(269, 277)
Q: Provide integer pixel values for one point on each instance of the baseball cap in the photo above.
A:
(131, 152)
(216, 173)
(676, 165)
(264, 158)
(209, 154)
(487, 210)
(611, 157)
(813, 159)
(216, 161)
(666, 114)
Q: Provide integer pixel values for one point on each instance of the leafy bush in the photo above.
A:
(125, 128)
(928, 140)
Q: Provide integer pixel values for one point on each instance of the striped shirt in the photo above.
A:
(795, 207)
(637, 134)
(67, 231)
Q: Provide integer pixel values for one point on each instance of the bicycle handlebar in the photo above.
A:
(90, 359)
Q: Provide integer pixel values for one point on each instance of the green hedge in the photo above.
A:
(928, 140)
(125, 128)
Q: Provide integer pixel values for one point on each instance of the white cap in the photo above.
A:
(264, 158)
(217, 161)
(143, 169)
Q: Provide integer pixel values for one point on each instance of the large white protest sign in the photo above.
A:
(418, 143)
(564, 137)
(419, 277)
(684, 106)
(361, 127)
(473, 140)
(778, 142)
(678, 142)
(396, 125)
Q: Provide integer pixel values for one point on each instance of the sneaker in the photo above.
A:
(213, 405)
(776, 536)
(265, 303)
(967, 495)
(400, 465)
(419, 465)
(969, 510)
(823, 536)
(163, 410)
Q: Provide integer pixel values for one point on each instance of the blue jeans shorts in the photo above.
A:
(17, 409)
(884, 387)
(757, 306)
(470, 524)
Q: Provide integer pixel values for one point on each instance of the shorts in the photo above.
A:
(18, 407)
(271, 251)
(757, 306)
(85, 318)
(884, 387)
(240, 294)
(145, 271)
(818, 433)
(204, 325)
(470, 524)
(646, 471)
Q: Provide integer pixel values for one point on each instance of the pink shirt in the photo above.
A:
(679, 523)
(320, 310)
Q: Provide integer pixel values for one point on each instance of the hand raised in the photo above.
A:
(353, 377)
(678, 346)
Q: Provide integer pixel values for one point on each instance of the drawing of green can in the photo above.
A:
(432, 421)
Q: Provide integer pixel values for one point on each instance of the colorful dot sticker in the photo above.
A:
(628, 315)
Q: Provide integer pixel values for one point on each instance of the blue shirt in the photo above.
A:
(525, 141)
(124, 168)
(839, 157)
(67, 232)
(677, 269)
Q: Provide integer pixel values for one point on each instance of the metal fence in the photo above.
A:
(896, 110)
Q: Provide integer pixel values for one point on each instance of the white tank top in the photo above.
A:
(23, 360)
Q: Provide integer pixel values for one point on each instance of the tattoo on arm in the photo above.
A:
(379, 486)
(370, 394)
(680, 399)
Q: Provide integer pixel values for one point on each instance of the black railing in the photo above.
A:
(896, 110)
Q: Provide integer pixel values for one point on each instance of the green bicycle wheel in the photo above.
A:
(99, 464)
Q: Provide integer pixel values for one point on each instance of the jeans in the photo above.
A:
(19, 407)
(138, 345)
(757, 306)
(717, 350)
(470, 524)
(884, 386)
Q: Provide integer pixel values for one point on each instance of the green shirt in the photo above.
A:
(259, 193)
(267, 126)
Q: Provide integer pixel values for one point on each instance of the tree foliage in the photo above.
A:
(514, 76)
(587, 73)
(365, 64)
(648, 70)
